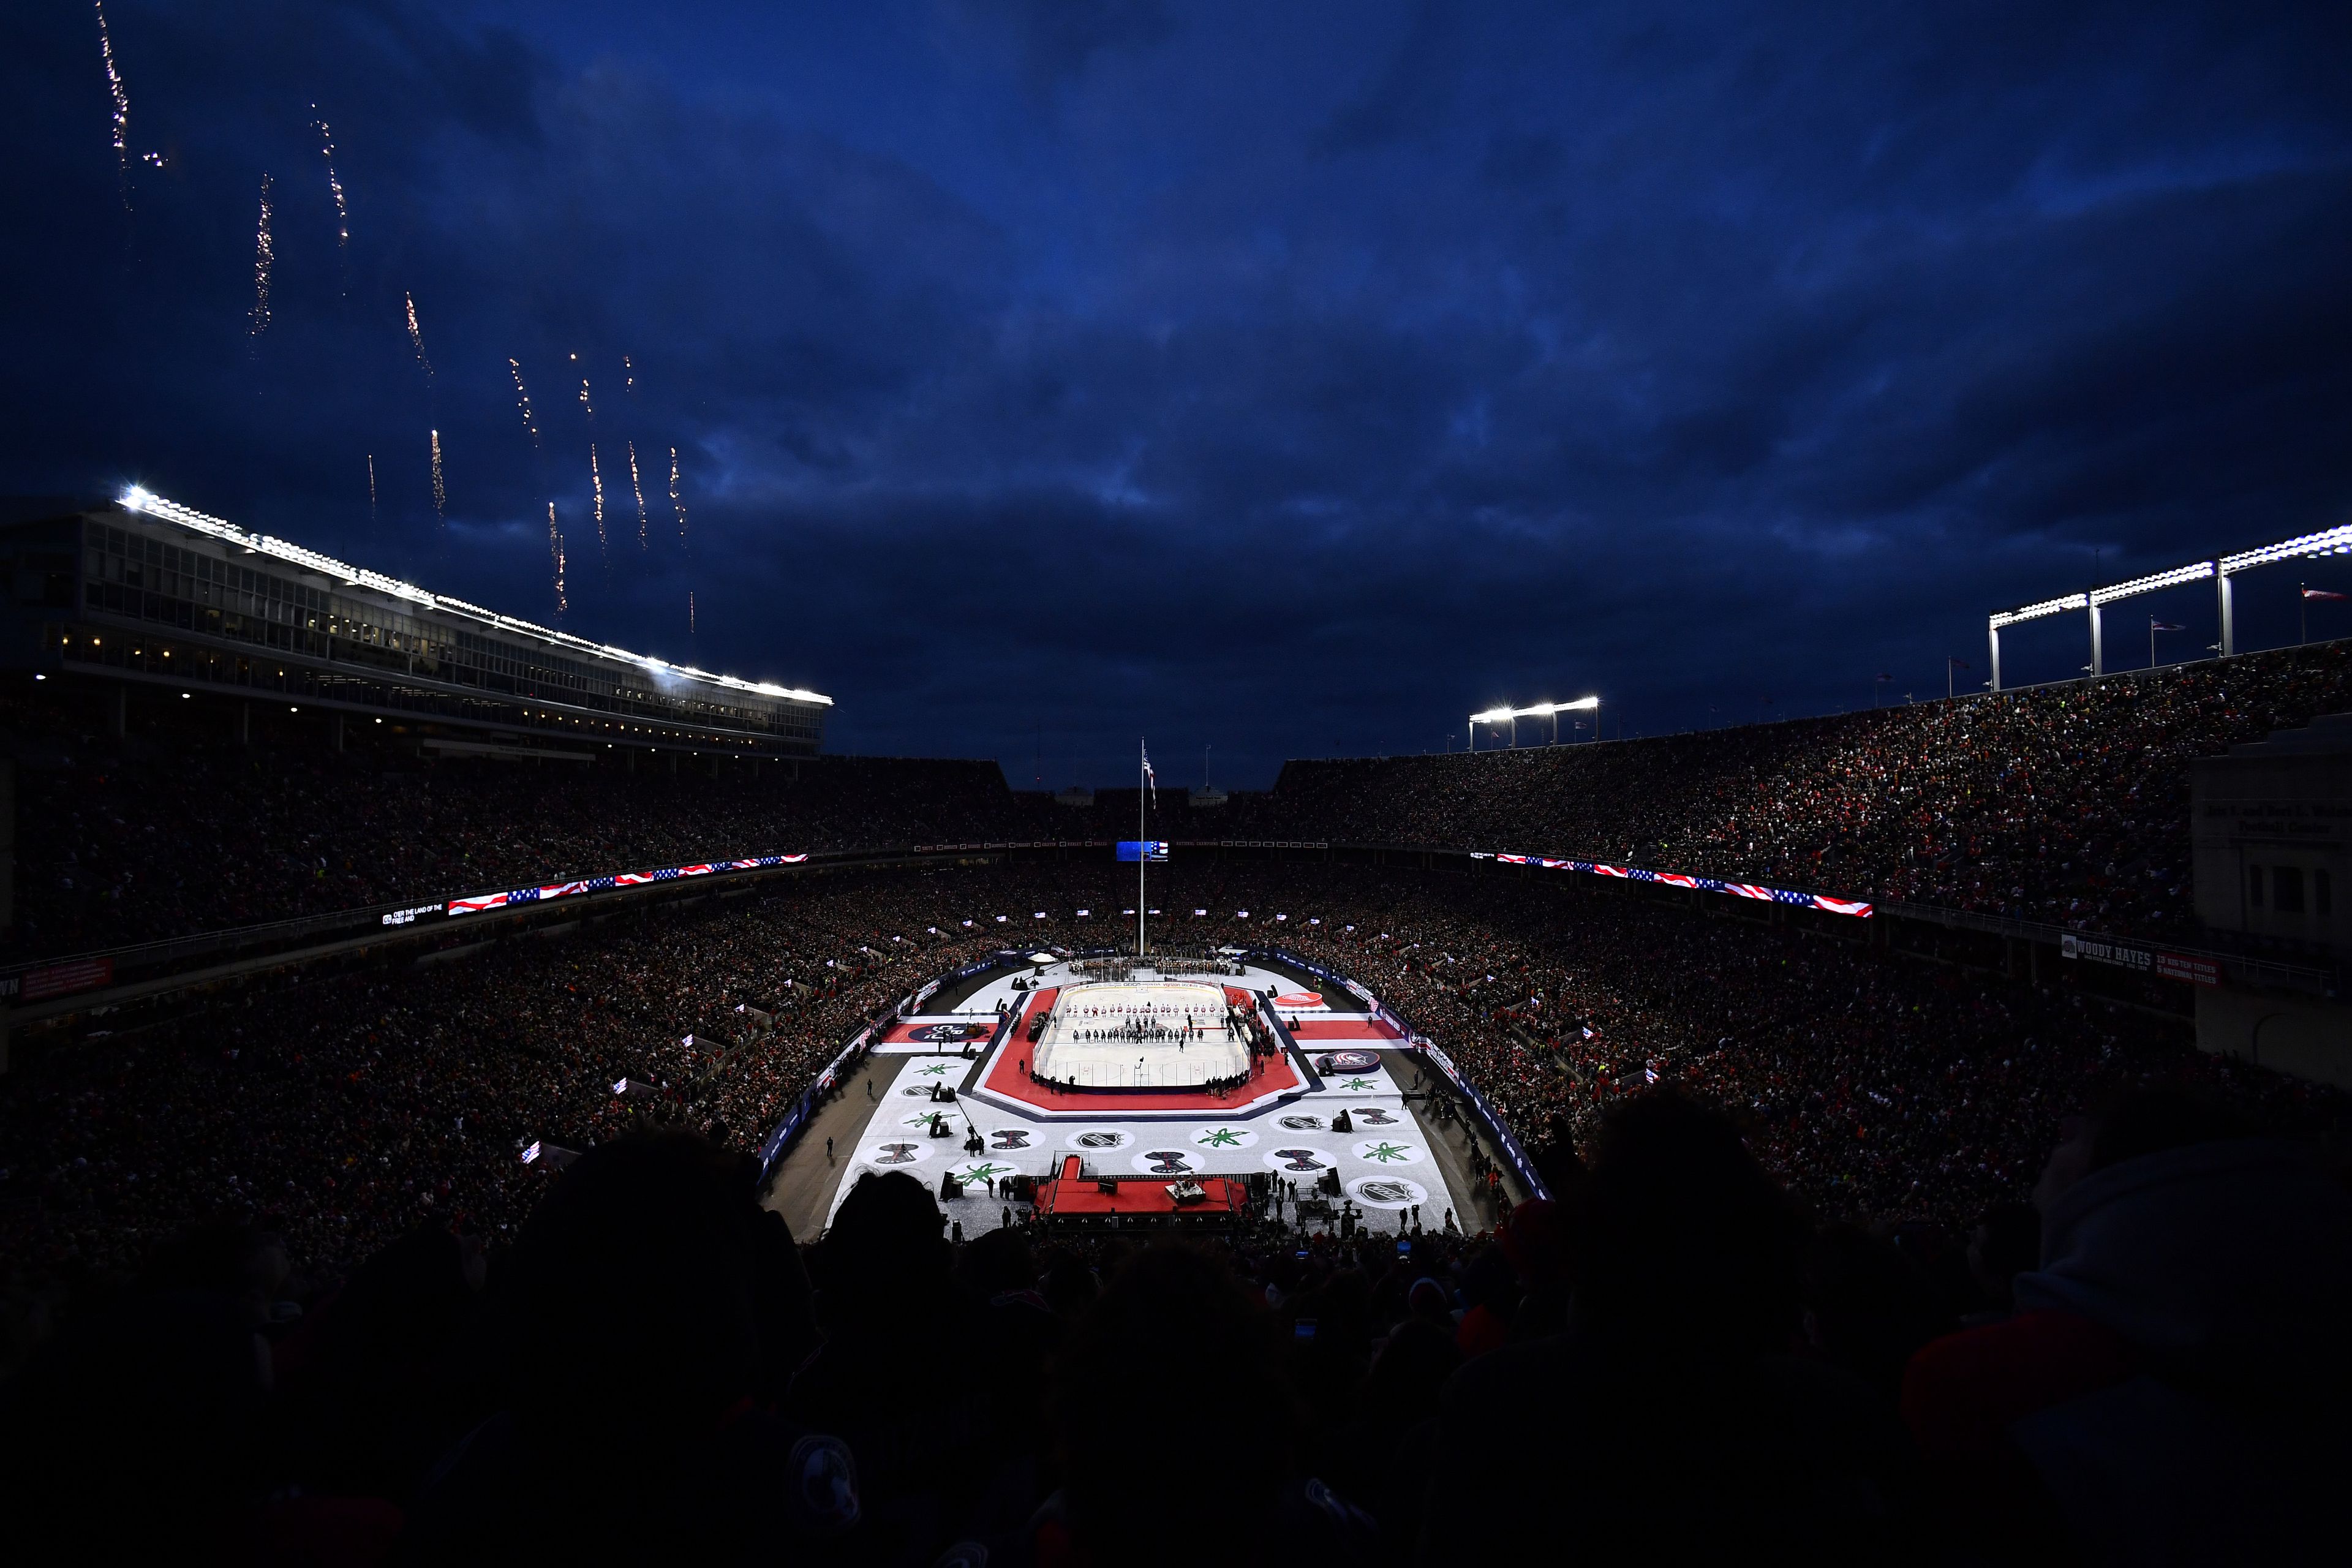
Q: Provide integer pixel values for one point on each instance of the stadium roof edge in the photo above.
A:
(147, 503)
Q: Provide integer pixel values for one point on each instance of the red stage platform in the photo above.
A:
(1069, 1203)
(1009, 1078)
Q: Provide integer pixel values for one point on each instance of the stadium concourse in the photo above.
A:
(548, 1210)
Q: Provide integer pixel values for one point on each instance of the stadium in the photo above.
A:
(1383, 1028)
(595, 966)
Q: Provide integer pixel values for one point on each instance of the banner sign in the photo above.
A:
(1858, 908)
(1143, 849)
(508, 899)
(2178, 966)
(2196, 970)
(65, 979)
(2095, 950)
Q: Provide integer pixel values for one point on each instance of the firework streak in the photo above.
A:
(645, 540)
(122, 104)
(555, 557)
(440, 495)
(596, 482)
(335, 189)
(522, 399)
(677, 505)
(416, 336)
(265, 257)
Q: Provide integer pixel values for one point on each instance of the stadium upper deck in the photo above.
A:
(146, 590)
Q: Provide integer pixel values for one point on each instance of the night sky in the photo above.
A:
(1294, 378)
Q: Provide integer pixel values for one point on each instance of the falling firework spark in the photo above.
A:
(555, 557)
(677, 505)
(370, 490)
(264, 257)
(629, 367)
(596, 481)
(122, 104)
(689, 612)
(644, 535)
(335, 189)
(440, 494)
(522, 398)
(416, 336)
(589, 408)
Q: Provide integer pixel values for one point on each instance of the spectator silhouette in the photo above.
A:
(2171, 1388)
(645, 1305)
(1668, 1422)
(1174, 1331)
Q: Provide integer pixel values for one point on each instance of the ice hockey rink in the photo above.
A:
(1164, 1034)
(1287, 1120)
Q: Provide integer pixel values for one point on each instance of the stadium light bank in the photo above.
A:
(2334, 540)
(137, 499)
(1551, 711)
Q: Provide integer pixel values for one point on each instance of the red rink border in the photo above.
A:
(1004, 1081)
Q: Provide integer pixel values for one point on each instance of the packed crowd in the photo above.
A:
(174, 831)
(2062, 805)
(353, 1104)
(349, 1107)
(1791, 1179)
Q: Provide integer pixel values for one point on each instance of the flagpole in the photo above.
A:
(1138, 851)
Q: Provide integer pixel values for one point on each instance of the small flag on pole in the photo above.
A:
(2156, 626)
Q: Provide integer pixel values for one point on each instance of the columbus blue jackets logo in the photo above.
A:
(948, 1034)
(1301, 1160)
(1347, 1061)
(1009, 1138)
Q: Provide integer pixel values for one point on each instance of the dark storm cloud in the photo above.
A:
(1280, 378)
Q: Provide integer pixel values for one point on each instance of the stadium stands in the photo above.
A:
(1800, 1182)
(2064, 804)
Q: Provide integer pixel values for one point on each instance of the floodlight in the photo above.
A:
(2035, 612)
(2195, 572)
(2329, 542)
